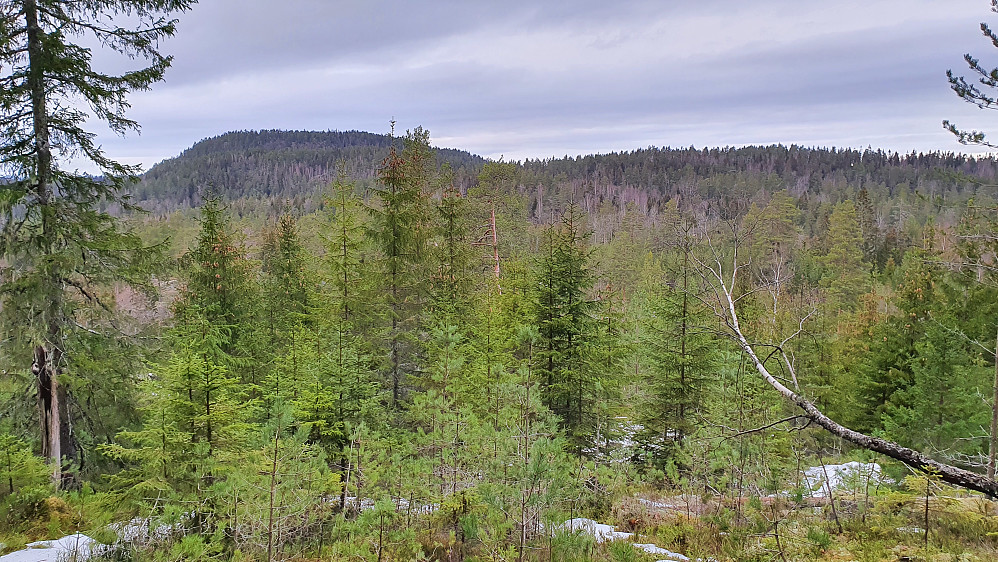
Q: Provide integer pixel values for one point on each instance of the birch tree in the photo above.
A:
(720, 267)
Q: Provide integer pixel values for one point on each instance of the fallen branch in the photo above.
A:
(915, 459)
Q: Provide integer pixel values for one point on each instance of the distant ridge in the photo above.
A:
(290, 165)
(265, 169)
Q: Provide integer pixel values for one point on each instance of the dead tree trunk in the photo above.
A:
(714, 275)
(46, 372)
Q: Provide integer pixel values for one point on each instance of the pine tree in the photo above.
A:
(525, 461)
(277, 507)
(62, 246)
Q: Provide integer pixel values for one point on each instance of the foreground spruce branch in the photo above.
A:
(60, 246)
(721, 282)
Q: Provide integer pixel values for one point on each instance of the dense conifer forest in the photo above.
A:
(451, 362)
(292, 345)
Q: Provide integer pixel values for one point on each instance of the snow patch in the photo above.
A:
(603, 533)
(659, 505)
(71, 548)
(846, 476)
(598, 531)
(671, 556)
(141, 530)
(401, 505)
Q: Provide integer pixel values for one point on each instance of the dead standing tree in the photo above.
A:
(719, 270)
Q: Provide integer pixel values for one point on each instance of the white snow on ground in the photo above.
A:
(67, 549)
(140, 529)
(79, 547)
(603, 533)
(848, 476)
(652, 549)
(659, 505)
(598, 531)
(401, 504)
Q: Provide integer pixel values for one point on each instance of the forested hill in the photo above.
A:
(648, 177)
(285, 165)
(294, 165)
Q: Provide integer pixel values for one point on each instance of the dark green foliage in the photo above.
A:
(62, 247)
(564, 315)
(939, 409)
(452, 285)
(525, 394)
(345, 258)
(279, 165)
(977, 91)
(679, 358)
(400, 229)
(286, 281)
(846, 274)
(22, 474)
(887, 369)
(217, 275)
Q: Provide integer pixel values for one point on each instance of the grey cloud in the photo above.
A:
(715, 72)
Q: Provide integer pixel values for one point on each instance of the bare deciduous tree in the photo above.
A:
(719, 269)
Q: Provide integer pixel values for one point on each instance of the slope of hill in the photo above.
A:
(271, 167)
(658, 174)
(286, 165)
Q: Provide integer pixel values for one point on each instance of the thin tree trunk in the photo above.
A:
(46, 364)
(993, 442)
(273, 487)
(55, 428)
(43, 367)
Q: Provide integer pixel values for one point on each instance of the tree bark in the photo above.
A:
(993, 441)
(46, 372)
(46, 361)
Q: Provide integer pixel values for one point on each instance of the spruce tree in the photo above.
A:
(564, 315)
(286, 281)
(678, 357)
(341, 385)
(61, 246)
(345, 255)
(218, 288)
(400, 230)
(200, 401)
(845, 272)
(941, 405)
(451, 281)
(287, 309)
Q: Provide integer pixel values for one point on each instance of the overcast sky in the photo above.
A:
(543, 78)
